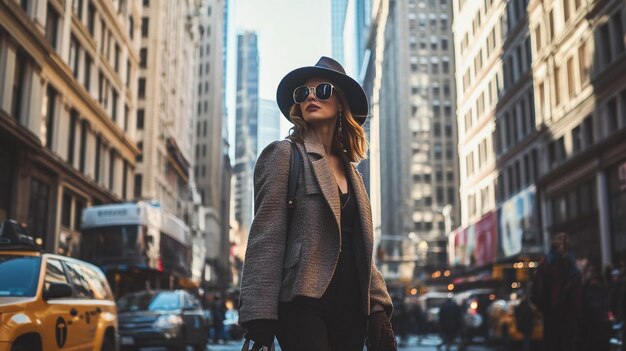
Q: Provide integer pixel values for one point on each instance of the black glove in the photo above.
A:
(261, 331)
(380, 334)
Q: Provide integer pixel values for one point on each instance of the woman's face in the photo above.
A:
(314, 110)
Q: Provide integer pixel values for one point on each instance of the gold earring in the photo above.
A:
(340, 125)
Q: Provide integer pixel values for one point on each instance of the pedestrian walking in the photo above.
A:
(524, 320)
(557, 292)
(450, 323)
(596, 327)
(308, 276)
(218, 312)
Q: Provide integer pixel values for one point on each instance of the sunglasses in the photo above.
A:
(322, 91)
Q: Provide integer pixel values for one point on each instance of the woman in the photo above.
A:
(314, 285)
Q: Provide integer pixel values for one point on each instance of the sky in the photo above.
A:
(291, 34)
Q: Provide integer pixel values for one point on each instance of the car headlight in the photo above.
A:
(168, 321)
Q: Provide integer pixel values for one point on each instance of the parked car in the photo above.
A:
(173, 319)
(51, 302)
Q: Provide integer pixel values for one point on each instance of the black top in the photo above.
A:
(348, 217)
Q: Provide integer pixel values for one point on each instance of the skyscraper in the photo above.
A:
(269, 124)
(246, 126)
(418, 159)
(169, 39)
(338, 19)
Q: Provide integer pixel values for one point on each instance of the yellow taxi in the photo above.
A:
(51, 302)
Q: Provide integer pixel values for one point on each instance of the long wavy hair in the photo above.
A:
(352, 141)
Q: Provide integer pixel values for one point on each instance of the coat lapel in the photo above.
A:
(324, 175)
(363, 204)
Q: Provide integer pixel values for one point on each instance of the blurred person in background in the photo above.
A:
(450, 323)
(524, 319)
(557, 292)
(596, 327)
(309, 279)
(218, 313)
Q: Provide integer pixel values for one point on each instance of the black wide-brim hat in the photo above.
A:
(325, 68)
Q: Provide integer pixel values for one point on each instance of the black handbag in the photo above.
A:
(294, 173)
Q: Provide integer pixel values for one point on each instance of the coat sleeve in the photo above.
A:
(379, 297)
(263, 265)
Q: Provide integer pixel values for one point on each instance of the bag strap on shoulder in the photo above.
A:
(294, 173)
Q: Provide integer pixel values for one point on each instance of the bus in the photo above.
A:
(138, 245)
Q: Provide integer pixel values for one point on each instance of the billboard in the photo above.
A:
(509, 230)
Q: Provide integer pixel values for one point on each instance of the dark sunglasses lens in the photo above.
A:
(323, 91)
(300, 94)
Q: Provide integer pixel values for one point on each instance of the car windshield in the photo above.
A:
(149, 301)
(20, 275)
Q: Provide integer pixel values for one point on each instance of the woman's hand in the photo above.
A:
(261, 331)
(380, 333)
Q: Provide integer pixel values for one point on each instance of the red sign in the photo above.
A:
(486, 239)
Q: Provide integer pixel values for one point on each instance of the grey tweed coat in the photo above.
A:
(279, 265)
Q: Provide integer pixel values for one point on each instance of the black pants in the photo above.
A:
(333, 322)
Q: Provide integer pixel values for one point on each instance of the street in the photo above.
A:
(429, 343)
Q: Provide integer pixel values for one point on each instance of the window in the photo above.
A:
(38, 208)
(126, 117)
(114, 106)
(444, 44)
(144, 27)
(18, 84)
(87, 77)
(73, 60)
(47, 122)
(112, 169)
(141, 88)
(131, 27)
(583, 68)
(72, 136)
(129, 71)
(566, 11)
(81, 287)
(571, 87)
(83, 146)
(557, 86)
(97, 160)
(54, 273)
(138, 185)
(102, 36)
(125, 180)
(52, 26)
(588, 130)
(143, 57)
(605, 37)
(77, 8)
(618, 33)
(116, 60)
(576, 139)
(91, 18)
(139, 157)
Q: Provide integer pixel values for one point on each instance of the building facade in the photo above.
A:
(418, 163)
(540, 127)
(579, 73)
(246, 127)
(166, 103)
(209, 150)
(68, 73)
